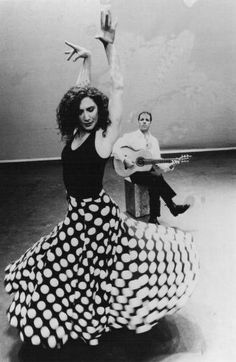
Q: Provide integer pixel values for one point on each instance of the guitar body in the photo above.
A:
(133, 155)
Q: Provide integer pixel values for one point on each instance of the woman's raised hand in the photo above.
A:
(108, 29)
(77, 52)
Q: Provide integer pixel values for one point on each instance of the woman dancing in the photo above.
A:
(98, 269)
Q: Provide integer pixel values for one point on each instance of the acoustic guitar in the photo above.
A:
(142, 161)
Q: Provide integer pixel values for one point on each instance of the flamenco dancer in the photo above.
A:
(97, 270)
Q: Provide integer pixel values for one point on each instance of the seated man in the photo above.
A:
(157, 186)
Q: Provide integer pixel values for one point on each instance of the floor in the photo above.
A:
(33, 200)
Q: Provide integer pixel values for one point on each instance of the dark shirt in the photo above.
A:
(83, 169)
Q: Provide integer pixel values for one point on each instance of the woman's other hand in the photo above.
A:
(77, 52)
(108, 30)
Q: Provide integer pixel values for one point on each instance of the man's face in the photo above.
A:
(144, 122)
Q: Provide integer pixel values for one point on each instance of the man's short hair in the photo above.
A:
(144, 112)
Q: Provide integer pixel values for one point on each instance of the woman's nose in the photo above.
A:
(86, 115)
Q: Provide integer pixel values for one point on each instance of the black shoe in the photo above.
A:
(153, 220)
(178, 209)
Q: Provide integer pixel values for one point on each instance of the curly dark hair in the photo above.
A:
(68, 110)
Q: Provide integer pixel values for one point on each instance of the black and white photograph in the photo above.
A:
(118, 180)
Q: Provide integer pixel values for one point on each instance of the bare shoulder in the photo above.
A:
(103, 144)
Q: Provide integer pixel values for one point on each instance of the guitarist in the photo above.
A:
(157, 186)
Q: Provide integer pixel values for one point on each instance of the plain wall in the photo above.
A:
(178, 59)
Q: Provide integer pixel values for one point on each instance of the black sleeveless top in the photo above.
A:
(83, 169)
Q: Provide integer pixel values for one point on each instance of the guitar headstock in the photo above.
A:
(184, 158)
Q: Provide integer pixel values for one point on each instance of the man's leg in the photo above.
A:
(158, 187)
(167, 194)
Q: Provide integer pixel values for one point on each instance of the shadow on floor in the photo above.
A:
(117, 346)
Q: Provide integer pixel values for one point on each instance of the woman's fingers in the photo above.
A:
(71, 55)
(73, 46)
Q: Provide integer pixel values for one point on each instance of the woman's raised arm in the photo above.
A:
(107, 37)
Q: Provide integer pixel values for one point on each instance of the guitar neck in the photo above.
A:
(151, 161)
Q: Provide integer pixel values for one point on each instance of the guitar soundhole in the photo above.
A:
(140, 161)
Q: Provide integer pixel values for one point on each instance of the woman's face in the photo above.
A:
(88, 114)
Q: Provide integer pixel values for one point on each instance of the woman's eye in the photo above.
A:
(90, 109)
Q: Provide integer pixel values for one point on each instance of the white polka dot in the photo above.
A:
(162, 291)
(74, 242)
(152, 268)
(71, 258)
(126, 275)
(143, 268)
(106, 226)
(38, 322)
(125, 257)
(141, 244)
(171, 279)
(150, 244)
(14, 322)
(101, 249)
(133, 254)
(54, 282)
(47, 314)
(153, 280)
(57, 307)
(35, 340)
(35, 297)
(82, 285)
(132, 243)
(143, 293)
(31, 313)
(143, 280)
(67, 221)
(47, 273)
(93, 208)
(56, 267)
(162, 303)
(74, 216)
(153, 292)
(100, 310)
(28, 331)
(133, 267)
(64, 263)
(92, 231)
(106, 199)
(181, 289)
(44, 289)
(17, 309)
(120, 283)
(161, 256)
(52, 342)
(62, 235)
(82, 322)
(162, 279)
(88, 216)
(134, 284)
(41, 305)
(53, 323)
(58, 251)
(79, 226)
(98, 221)
(60, 332)
(161, 267)
(170, 267)
(60, 293)
(99, 236)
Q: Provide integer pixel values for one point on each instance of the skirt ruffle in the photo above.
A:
(99, 270)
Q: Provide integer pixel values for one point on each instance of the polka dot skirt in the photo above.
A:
(99, 270)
